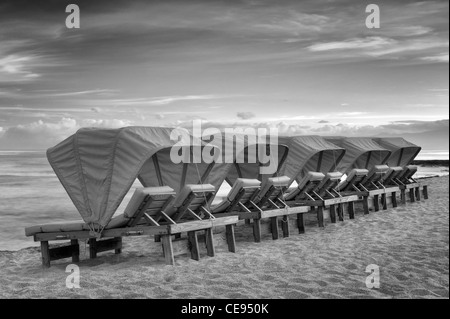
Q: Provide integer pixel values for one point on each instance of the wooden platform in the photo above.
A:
(111, 239)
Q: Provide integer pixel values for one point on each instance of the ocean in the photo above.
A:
(31, 194)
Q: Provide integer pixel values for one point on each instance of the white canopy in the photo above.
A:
(236, 161)
(403, 152)
(97, 167)
(309, 153)
(361, 152)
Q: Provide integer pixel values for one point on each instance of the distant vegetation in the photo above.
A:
(431, 162)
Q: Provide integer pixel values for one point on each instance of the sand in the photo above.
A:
(410, 244)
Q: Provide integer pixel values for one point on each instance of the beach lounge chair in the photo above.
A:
(145, 214)
(374, 183)
(406, 182)
(322, 193)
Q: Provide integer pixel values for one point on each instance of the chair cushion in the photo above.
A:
(241, 183)
(333, 175)
(118, 221)
(310, 177)
(141, 193)
(187, 189)
(56, 227)
(281, 181)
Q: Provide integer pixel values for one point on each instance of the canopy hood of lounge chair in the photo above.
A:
(310, 153)
(97, 167)
(403, 152)
(361, 152)
(240, 145)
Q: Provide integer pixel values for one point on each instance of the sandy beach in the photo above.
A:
(410, 244)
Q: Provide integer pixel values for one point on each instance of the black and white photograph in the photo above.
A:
(239, 152)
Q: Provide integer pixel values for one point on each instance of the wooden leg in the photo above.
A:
(411, 195)
(45, 252)
(376, 203)
(75, 250)
(320, 216)
(341, 212)
(168, 249)
(285, 225)
(365, 202)
(425, 192)
(210, 251)
(394, 199)
(351, 210)
(92, 248)
(384, 201)
(193, 245)
(257, 230)
(333, 213)
(300, 224)
(231, 240)
(118, 250)
(418, 193)
(274, 227)
(403, 196)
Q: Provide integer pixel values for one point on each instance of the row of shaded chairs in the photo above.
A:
(168, 207)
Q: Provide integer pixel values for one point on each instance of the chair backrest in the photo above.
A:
(273, 189)
(242, 191)
(391, 175)
(307, 185)
(408, 173)
(374, 176)
(147, 200)
(329, 183)
(192, 198)
(354, 178)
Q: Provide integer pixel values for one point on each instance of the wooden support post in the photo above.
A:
(257, 230)
(366, 205)
(333, 213)
(394, 199)
(231, 240)
(210, 251)
(168, 249)
(411, 195)
(92, 248)
(193, 245)
(320, 216)
(75, 250)
(300, 224)
(425, 192)
(45, 252)
(341, 212)
(376, 202)
(418, 193)
(384, 201)
(351, 210)
(285, 225)
(403, 196)
(274, 227)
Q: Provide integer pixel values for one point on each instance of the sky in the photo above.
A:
(303, 67)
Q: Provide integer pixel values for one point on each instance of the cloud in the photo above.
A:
(41, 135)
(16, 67)
(245, 115)
(443, 58)
(323, 122)
(358, 43)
